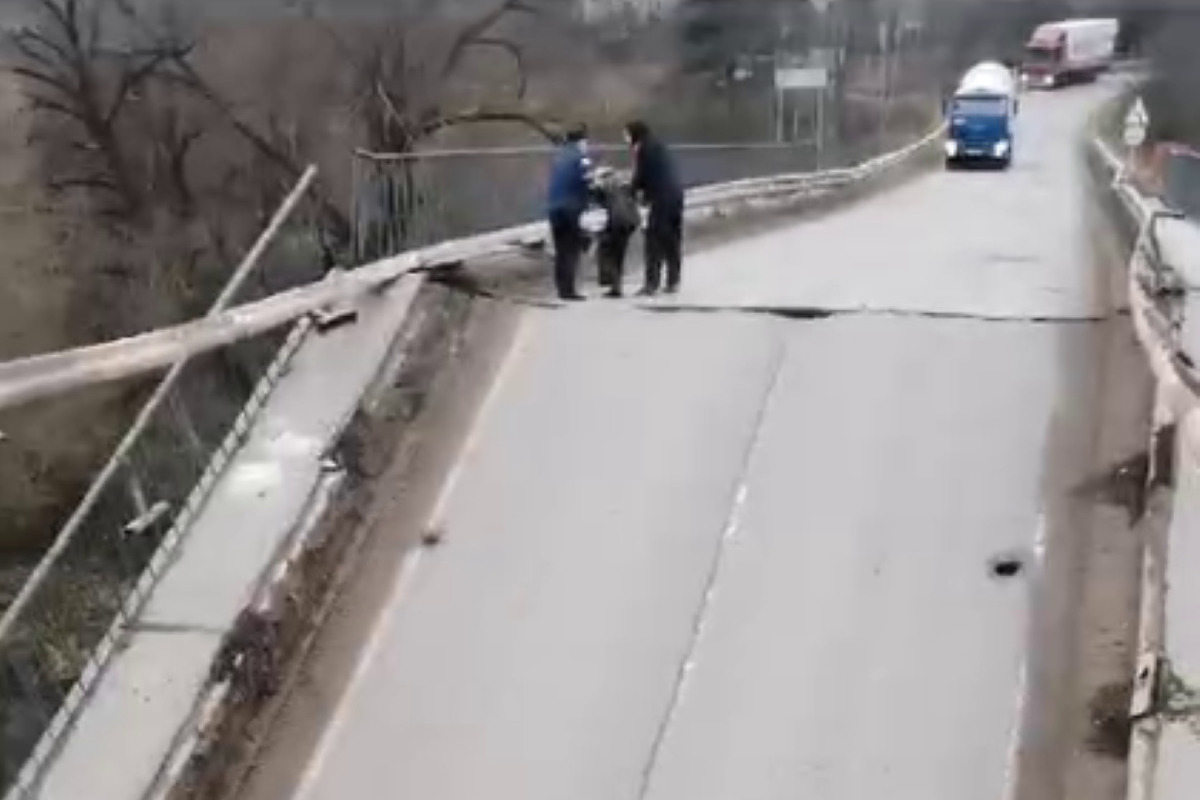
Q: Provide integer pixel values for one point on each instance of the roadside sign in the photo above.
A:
(1134, 136)
(1137, 122)
(801, 78)
(1138, 114)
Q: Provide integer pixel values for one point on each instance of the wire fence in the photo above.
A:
(408, 200)
(58, 633)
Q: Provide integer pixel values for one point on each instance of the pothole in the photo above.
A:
(433, 536)
(1006, 566)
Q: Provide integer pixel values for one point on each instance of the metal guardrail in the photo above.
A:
(407, 200)
(59, 631)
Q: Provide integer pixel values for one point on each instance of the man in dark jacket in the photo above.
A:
(656, 180)
(566, 201)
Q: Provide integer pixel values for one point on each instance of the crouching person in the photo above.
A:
(616, 197)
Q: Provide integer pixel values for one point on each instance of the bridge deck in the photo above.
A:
(733, 555)
(723, 555)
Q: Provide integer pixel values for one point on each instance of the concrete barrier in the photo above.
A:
(1164, 298)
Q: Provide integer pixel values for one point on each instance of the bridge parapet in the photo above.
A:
(1164, 300)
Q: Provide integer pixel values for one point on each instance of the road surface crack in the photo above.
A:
(816, 313)
(460, 280)
(728, 534)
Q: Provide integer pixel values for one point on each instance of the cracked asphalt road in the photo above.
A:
(745, 557)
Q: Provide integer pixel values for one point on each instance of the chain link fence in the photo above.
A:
(59, 631)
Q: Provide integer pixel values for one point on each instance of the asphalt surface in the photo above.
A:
(739, 556)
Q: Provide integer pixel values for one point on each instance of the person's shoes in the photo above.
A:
(672, 288)
(614, 294)
(573, 297)
(647, 291)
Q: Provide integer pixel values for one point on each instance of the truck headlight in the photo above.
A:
(1000, 149)
(951, 148)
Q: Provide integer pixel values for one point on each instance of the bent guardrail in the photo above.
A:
(24, 380)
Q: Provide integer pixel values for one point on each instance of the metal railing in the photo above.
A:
(408, 200)
(411, 200)
(59, 631)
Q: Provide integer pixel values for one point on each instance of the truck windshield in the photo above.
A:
(1042, 56)
(981, 106)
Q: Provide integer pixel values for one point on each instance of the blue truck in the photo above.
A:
(981, 117)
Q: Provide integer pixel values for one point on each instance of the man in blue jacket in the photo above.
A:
(656, 179)
(568, 196)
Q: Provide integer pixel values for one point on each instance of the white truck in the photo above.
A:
(1070, 51)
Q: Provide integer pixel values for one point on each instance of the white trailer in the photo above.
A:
(1070, 51)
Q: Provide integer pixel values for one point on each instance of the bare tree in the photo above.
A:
(412, 80)
(77, 75)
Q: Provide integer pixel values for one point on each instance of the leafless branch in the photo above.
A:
(59, 84)
(89, 182)
(479, 116)
(54, 106)
(518, 57)
(134, 77)
(473, 31)
(27, 39)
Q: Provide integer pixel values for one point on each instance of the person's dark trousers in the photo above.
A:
(610, 256)
(664, 245)
(568, 249)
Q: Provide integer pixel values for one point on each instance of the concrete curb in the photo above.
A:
(268, 604)
(1176, 408)
(303, 588)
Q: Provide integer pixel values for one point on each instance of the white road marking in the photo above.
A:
(1011, 769)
